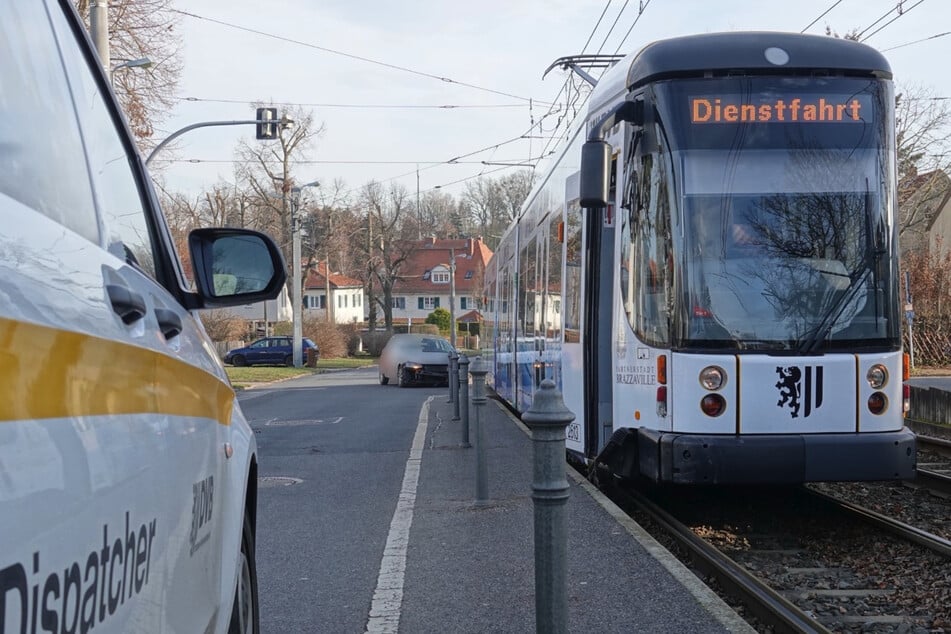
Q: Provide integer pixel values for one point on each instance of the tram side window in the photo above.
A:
(572, 299)
(553, 288)
(646, 283)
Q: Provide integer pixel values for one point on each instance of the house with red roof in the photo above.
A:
(346, 294)
(424, 280)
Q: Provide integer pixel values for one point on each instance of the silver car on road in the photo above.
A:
(412, 359)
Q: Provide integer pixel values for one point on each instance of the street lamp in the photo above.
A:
(452, 294)
(296, 282)
(142, 62)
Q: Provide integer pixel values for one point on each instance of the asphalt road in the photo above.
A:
(332, 451)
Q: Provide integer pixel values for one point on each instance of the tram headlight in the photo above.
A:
(877, 403)
(713, 405)
(712, 377)
(877, 376)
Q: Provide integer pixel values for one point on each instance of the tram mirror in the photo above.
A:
(595, 162)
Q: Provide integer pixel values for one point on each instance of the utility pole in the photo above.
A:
(295, 235)
(296, 288)
(452, 297)
(99, 30)
(330, 306)
(419, 214)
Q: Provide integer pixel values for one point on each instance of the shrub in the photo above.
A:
(425, 329)
(329, 337)
(221, 326)
(441, 318)
(373, 342)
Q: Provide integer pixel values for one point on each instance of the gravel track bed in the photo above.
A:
(836, 569)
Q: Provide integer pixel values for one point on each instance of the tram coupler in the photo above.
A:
(618, 458)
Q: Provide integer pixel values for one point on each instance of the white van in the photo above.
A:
(127, 470)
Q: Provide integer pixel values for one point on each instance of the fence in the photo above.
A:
(222, 347)
(932, 338)
(930, 405)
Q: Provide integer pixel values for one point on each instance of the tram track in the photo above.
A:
(798, 560)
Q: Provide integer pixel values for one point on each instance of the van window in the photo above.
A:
(40, 146)
(128, 234)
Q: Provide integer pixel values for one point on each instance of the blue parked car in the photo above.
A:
(270, 350)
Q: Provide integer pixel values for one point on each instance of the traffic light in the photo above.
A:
(267, 123)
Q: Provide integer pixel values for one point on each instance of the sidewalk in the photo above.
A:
(471, 569)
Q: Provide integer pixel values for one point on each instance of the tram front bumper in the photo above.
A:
(776, 459)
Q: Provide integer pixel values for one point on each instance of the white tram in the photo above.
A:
(708, 269)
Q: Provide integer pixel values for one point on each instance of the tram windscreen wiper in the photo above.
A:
(821, 331)
(872, 254)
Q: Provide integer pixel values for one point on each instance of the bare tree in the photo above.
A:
(388, 244)
(441, 215)
(922, 135)
(143, 28)
(267, 170)
(483, 202)
(513, 190)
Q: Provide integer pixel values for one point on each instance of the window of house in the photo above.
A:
(426, 275)
(440, 277)
(399, 303)
(428, 303)
(463, 303)
(469, 275)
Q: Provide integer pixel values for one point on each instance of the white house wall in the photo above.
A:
(274, 310)
(939, 235)
(412, 310)
(341, 314)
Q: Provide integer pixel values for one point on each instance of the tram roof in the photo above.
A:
(720, 53)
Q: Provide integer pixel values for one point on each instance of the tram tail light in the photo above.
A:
(713, 405)
(905, 398)
(662, 370)
(877, 403)
(662, 401)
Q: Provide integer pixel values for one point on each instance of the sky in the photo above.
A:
(485, 58)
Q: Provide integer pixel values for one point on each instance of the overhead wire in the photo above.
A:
(642, 6)
(611, 30)
(897, 7)
(933, 37)
(553, 105)
(640, 11)
(539, 124)
(348, 55)
(901, 13)
(357, 105)
(821, 15)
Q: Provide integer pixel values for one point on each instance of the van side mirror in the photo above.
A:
(235, 266)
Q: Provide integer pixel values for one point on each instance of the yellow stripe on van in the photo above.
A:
(51, 373)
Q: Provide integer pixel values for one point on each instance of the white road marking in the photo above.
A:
(388, 597)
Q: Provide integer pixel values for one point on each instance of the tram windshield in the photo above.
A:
(784, 221)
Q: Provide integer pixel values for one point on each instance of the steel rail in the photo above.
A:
(768, 605)
(905, 531)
